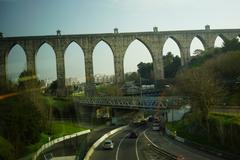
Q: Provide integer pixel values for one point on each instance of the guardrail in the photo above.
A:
(100, 140)
(160, 152)
(163, 154)
(57, 140)
(203, 148)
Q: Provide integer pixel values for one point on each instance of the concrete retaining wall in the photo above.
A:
(58, 140)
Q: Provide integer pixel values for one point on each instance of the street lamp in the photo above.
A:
(140, 86)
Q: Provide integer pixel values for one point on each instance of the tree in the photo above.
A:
(108, 90)
(225, 70)
(168, 59)
(28, 81)
(20, 122)
(133, 76)
(203, 89)
(171, 65)
(52, 89)
(6, 149)
(231, 45)
(146, 72)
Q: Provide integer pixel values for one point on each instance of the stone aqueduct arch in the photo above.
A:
(118, 42)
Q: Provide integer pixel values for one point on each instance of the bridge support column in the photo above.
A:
(158, 69)
(90, 88)
(185, 55)
(119, 72)
(125, 116)
(3, 75)
(86, 113)
(210, 41)
(30, 54)
(61, 90)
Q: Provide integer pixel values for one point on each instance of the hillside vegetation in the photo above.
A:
(212, 80)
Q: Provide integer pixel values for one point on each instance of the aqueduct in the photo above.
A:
(118, 42)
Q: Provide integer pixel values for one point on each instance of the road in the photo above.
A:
(123, 147)
(142, 148)
(178, 148)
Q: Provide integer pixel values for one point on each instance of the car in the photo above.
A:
(132, 135)
(150, 119)
(156, 127)
(143, 122)
(108, 144)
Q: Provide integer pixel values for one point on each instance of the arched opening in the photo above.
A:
(103, 65)
(16, 63)
(196, 47)
(238, 37)
(46, 69)
(218, 42)
(74, 66)
(170, 45)
(171, 58)
(138, 60)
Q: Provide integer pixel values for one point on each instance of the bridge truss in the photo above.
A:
(134, 102)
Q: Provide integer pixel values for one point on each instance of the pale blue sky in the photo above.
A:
(44, 17)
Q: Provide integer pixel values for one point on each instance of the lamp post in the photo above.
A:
(140, 86)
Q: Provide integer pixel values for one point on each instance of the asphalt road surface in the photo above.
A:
(141, 148)
(125, 148)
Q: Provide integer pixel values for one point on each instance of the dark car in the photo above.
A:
(143, 122)
(133, 135)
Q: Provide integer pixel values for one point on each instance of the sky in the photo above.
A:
(44, 17)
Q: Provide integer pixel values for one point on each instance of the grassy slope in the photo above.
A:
(181, 126)
(59, 129)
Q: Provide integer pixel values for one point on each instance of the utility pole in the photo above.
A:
(140, 86)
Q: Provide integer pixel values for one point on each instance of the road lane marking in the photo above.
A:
(136, 148)
(144, 132)
(117, 152)
(182, 148)
(137, 143)
(120, 144)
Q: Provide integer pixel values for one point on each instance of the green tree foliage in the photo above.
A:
(223, 131)
(146, 72)
(52, 89)
(20, 122)
(171, 65)
(27, 80)
(6, 149)
(207, 83)
(231, 45)
(108, 90)
(226, 71)
(202, 88)
(133, 76)
(200, 59)
(22, 116)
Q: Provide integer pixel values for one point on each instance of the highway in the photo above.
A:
(127, 148)
(149, 145)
